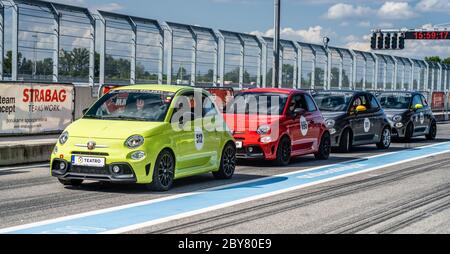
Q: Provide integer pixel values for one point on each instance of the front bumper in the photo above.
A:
(104, 174)
(398, 132)
(253, 149)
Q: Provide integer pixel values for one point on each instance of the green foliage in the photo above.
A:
(435, 59)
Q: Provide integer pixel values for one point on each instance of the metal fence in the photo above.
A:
(54, 42)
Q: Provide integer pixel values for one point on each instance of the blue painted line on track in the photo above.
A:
(146, 213)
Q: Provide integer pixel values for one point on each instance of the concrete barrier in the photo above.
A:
(26, 149)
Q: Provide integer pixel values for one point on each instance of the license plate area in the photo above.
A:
(87, 161)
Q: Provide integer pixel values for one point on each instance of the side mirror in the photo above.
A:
(85, 111)
(418, 106)
(299, 112)
(188, 116)
(361, 109)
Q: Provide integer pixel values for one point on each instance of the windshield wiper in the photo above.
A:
(93, 117)
(126, 118)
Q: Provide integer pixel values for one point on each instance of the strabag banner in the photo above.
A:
(30, 108)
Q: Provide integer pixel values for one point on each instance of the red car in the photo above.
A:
(277, 124)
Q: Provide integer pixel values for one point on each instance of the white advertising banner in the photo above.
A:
(27, 108)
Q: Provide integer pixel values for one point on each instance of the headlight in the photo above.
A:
(63, 138)
(134, 141)
(397, 118)
(330, 123)
(139, 155)
(263, 129)
(266, 140)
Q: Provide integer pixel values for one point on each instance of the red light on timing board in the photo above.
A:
(427, 35)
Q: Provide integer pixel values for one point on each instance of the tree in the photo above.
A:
(435, 59)
(446, 60)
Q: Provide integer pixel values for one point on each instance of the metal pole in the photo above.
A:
(2, 38)
(133, 50)
(102, 51)
(15, 42)
(276, 43)
(34, 55)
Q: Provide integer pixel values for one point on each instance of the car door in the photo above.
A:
(315, 121)
(188, 138)
(427, 112)
(300, 125)
(377, 118)
(211, 132)
(293, 124)
(360, 121)
(419, 115)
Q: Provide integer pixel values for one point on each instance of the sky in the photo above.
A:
(348, 23)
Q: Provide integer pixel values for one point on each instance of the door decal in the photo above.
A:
(199, 138)
(304, 126)
(366, 125)
(422, 118)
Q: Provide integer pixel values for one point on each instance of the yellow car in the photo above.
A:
(146, 134)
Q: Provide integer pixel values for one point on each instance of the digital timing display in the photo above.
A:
(427, 35)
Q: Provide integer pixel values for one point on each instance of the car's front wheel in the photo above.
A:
(70, 182)
(283, 152)
(164, 172)
(324, 147)
(385, 141)
(227, 163)
(409, 133)
(345, 144)
(433, 132)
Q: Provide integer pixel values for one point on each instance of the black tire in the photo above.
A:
(433, 132)
(163, 172)
(227, 163)
(324, 147)
(409, 133)
(71, 182)
(283, 152)
(345, 144)
(386, 138)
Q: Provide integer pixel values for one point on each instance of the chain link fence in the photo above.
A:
(44, 41)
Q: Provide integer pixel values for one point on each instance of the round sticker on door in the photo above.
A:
(199, 138)
(304, 126)
(422, 118)
(366, 125)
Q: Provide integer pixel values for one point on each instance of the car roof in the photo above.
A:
(400, 92)
(354, 92)
(163, 88)
(272, 90)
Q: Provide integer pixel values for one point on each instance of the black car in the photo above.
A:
(354, 118)
(409, 114)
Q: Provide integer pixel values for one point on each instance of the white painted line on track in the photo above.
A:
(32, 166)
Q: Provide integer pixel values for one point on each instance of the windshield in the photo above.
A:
(258, 103)
(333, 101)
(394, 101)
(132, 105)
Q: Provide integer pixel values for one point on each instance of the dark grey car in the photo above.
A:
(409, 114)
(354, 118)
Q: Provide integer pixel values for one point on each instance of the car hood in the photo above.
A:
(239, 121)
(113, 129)
(392, 112)
(333, 115)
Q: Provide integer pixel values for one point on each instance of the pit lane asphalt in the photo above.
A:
(413, 197)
